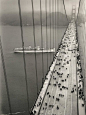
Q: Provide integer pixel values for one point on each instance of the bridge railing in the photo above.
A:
(81, 33)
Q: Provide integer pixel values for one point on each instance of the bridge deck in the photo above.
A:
(62, 92)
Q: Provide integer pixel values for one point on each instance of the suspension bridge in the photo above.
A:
(63, 87)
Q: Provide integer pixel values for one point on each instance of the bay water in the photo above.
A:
(11, 38)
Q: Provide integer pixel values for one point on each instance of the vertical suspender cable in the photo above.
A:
(42, 42)
(53, 22)
(23, 54)
(56, 26)
(53, 26)
(5, 77)
(65, 10)
(34, 44)
(85, 55)
(50, 25)
(57, 18)
(46, 32)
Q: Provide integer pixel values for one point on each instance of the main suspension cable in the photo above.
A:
(34, 44)
(5, 77)
(42, 42)
(23, 54)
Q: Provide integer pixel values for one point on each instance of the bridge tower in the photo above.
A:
(73, 12)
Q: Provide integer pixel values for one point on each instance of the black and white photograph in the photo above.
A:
(42, 57)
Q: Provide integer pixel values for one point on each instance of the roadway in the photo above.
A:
(62, 95)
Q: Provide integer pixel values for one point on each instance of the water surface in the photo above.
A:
(15, 67)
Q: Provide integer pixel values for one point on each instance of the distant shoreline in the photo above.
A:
(32, 25)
